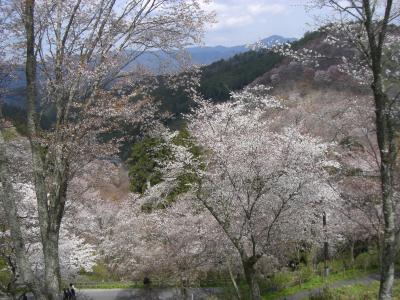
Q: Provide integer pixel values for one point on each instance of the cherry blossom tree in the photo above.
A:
(350, 122)
(262, 184)
(75, 253)
(77, 54)
(368, 28)
(173, 245)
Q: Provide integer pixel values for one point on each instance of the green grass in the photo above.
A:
(357, 292)
(109, 285)
(315, 282)
(9, 134)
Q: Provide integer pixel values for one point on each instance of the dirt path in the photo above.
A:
(141, 294)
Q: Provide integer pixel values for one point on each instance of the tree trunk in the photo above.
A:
(385, 132)
(52, 266)
(250, 274)
(352, 253)
(234, 281)
(388, 248)
(387, 146)
(50, 203)
(7, 197)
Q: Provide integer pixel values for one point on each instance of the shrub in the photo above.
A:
(337, 266)
(325, 294)
(283, 280)
(367, 260)
(304, 273)
(100, 273)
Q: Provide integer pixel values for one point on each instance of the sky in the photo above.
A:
(247, 21)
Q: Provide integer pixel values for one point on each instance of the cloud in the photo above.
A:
(233, 14)
(258, 8)
(246, 21)
(236, 21)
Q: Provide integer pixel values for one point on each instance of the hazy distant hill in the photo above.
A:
(161, 62)
(156, 61)
(208, 55)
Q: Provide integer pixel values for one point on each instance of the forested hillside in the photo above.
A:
(221, 78)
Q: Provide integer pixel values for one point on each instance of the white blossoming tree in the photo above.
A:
(367, 27)
(75, 253)
(263, 185)
(171, 245)
(77, 54)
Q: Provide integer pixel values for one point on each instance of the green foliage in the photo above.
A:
(355, 292)
(17, 116)
(99, 273)
(326, 294)
(336, 266)
(368, 260)
(185, 180)
(283, 280)
(314, 282)
(217, 81)
(174, 101)
(308, 37)
(224, 76)
(9, 134)
(184, 139)
(109, 285)
(304, 274)
(5, 274)
(143, 163)
(305, 278)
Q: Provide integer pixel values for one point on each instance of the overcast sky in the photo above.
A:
(246, 21)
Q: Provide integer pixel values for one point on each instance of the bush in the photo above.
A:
(283, 280)
(10, 134)
(325, 294)
(367, 260)
(337, 266)
(100, 273)
(305, 273)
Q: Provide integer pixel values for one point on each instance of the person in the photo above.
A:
(72, 291)
(67, 294)
(146, 281)
(23, 297)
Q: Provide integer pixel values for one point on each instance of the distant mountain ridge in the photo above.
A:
(161, 63)
(207, 55)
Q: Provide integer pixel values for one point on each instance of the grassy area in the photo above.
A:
(108, 285)
(357, 292)
(315, 282)
(9, 134)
